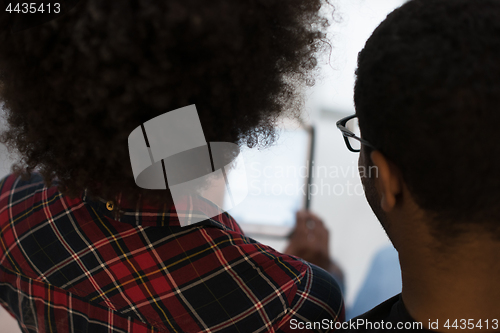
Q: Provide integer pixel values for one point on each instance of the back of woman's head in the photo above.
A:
(75, 87)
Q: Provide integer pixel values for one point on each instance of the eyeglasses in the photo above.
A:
(349, 127)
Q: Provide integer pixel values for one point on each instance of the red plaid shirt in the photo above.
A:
(71, 265)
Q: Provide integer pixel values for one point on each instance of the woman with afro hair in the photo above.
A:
(82, 247)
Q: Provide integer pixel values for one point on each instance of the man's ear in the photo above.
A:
(388, 181)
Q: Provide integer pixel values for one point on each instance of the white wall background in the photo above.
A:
(355, 232)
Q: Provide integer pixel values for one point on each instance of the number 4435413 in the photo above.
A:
(471, 324)
(33, 7)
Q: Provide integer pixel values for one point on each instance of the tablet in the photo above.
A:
(278, 181)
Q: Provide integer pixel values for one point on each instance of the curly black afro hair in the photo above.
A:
(75, 87)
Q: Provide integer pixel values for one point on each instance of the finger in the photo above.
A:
(322, 230)
(301, 216)
(311, 216)
(301, 221)
(310, 224)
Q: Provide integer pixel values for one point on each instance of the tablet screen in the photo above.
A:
(277, 180)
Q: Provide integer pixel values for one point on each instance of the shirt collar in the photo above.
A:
(163, 216)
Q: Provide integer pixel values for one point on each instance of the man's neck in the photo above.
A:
(461, 282)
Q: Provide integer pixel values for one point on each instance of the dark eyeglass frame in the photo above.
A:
(341, 125)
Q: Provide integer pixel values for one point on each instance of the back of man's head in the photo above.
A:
(428, 97)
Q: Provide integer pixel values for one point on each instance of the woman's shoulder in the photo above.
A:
(310, 291)
(15, 182)
(17, 190)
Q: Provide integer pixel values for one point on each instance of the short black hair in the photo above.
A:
(427, 95)
(75, 87)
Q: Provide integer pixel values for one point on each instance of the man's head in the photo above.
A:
(75, 87)
(428, 97)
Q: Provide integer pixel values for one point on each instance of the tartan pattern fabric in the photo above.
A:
(71, 265)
